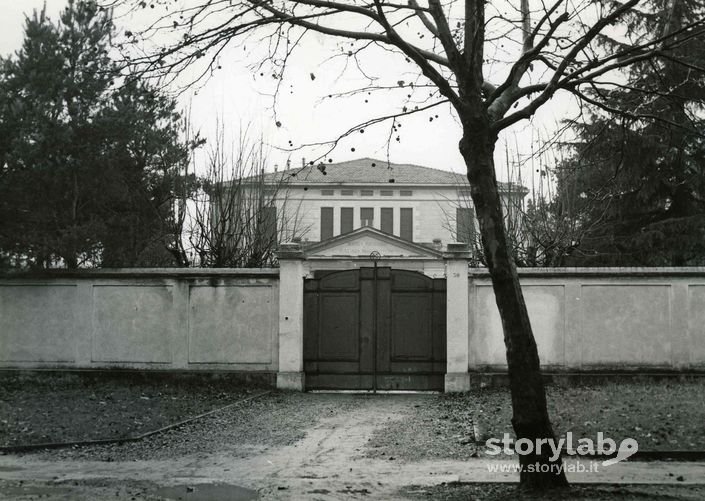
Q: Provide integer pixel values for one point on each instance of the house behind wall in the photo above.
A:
(416, 203)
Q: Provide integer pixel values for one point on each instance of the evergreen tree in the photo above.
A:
(636, 179)
(89, 158)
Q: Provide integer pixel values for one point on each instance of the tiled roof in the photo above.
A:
(368, 171)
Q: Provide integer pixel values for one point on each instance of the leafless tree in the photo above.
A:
(541, 230)
(496, 63)
(459, 220)
(239, 214)
(552, 229)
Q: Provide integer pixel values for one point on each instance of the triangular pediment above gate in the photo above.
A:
(362, 242)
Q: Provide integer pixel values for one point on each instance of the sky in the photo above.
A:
(238, 97)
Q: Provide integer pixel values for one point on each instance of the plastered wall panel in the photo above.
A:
(133, 323)
(232, 324)
(38, 323)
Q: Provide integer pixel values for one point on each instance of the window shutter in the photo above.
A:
(406, 224)
(326, 223)
(465, 225)
(387, 220)
(269, 226)
(367, 216)
(346, 220)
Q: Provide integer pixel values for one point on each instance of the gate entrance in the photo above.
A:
(374, 328)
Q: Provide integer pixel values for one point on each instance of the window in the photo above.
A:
(367, 216)
(346, 220)
(387, 220)
(366, 193)
(387, 193)
(327, 193)
(346, 193)
(406, 193)
(326, 223)
(406, 224)
(465, 225)
(268, 222)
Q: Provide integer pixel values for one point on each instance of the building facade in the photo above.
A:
(419, 204)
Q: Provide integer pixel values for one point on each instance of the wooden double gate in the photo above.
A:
(374, 328)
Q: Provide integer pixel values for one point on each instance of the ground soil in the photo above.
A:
(310, 446)
(667, 414)
(441, 429)
(38, 408)
(456, 491)
(661, 416)
(276, 419)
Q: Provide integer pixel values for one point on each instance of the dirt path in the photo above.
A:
(328, 463)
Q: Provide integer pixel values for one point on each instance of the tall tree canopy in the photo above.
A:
(89, 160)
(494, 63)
(636, 178)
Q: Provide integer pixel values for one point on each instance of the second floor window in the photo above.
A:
(387, 220)
(406, 224)
(346, 220)
(465, 225)
(326, 223)
(268, 226)
(367, 216)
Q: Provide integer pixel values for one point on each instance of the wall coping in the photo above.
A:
(366, 257)
(143, 273)
(614, 272)
(480, 273)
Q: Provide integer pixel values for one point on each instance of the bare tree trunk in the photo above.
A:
(530, 415)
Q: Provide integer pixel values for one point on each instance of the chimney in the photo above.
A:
(437, 244)
(303, 161)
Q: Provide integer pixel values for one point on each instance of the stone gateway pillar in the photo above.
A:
(457, 378)
(291, 317)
